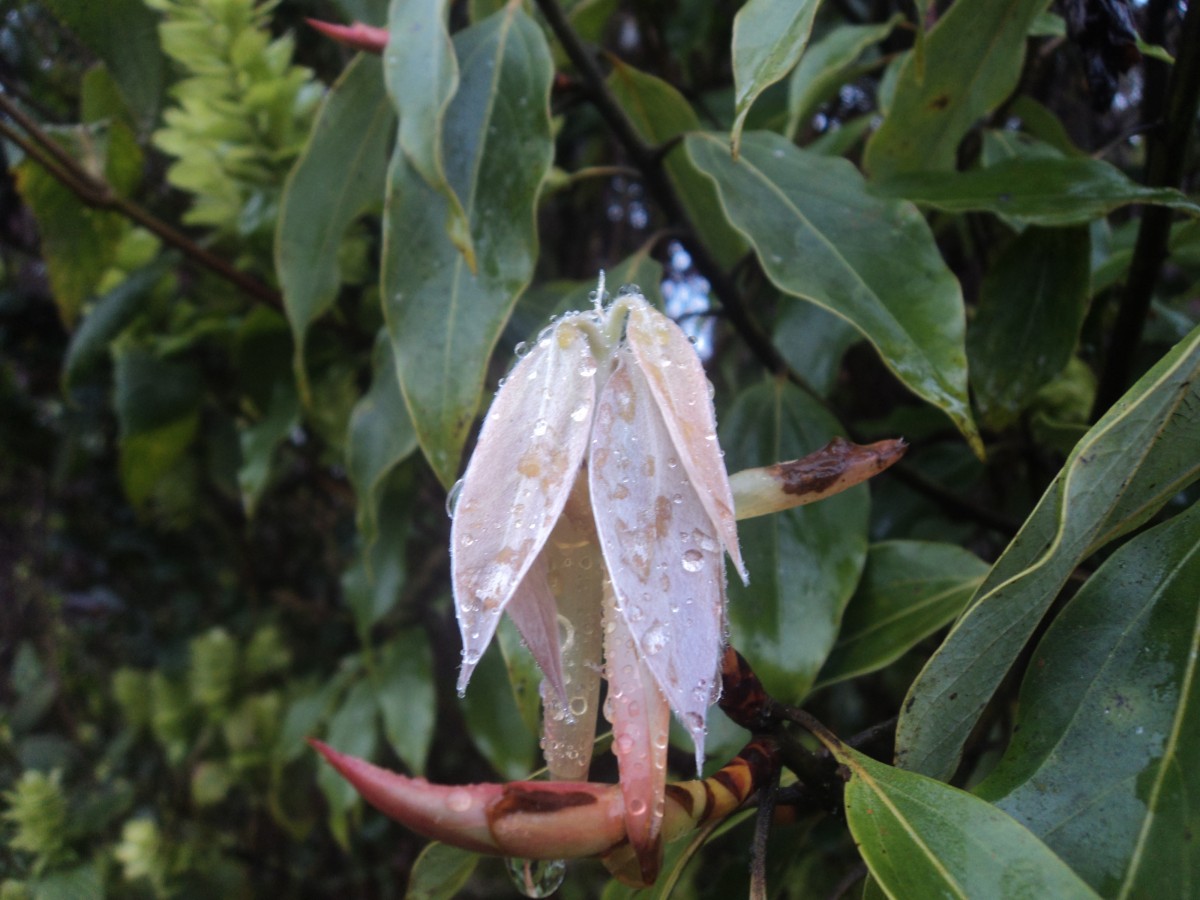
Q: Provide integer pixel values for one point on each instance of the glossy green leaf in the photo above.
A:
(339, 177)
(813, 341)
(89, 346)
(422, 85)
(661, 114)
(821, 236)
(260, 440)
(805, 562)
(827, 65)
(524, 676)
(1035, 190)
(124, 34)
(972, 60)
(372, 12)
(353, 729)
(1102, 762)
(923, 838)
(1026, 326)
(158, 410)
(908, 591)
(1138, 456)
(440, 872)
(372, 584)
(495, 723)
(380, 437)
(403, 683)
(444, 320)
(768, 38)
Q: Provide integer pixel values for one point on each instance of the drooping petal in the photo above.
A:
(680, 388)
(530, 448)
(837, 466)
(660, 545)
(535, 613)
(641, 723)
(576, 577)
(530, 819)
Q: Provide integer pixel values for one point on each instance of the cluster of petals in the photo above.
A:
(596, 511)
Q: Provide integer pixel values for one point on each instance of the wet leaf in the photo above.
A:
(354, 730)
(494, 721)
(1138, 456)
(821, 236)
(1101, 763)
(403, 683)
(971, 61)
(908, 591)
(440, 872)
(334, 182)
(923, 838)
(421, 86)
(1026, 326)
(1035, 190)
(379, 438)
(768, 39)
(803, 563)
(444, 320)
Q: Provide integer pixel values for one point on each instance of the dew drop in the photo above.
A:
(579, 706)
(540, 427)
(637, 807)
(655, 639)
(587, 368)
(452, 497)
(693, 560)
(624, 744)
(536, 877)
(521, 350)
(579, 413)
(458, 801)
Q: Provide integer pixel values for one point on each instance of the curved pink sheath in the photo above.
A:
(662, 550)
(530, 448)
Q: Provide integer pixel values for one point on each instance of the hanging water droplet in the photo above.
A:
(452, 497)
(693, 560)
(537, 877)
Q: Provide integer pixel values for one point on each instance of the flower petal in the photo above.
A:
(535, 613)
(641, 723)
(529, 451)
(660, 545)
(576, 577)
(680, 388)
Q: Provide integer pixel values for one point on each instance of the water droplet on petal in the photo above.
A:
(579, 413)
(537, 877)
(637, 807)
(521, 349)
(579, 706)
(452, 497)
(540, 427)
(655, 639)
(587, 368)
(458, 801)
(693, 560)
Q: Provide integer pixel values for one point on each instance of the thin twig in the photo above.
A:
(1166, 157)
(762, 830)
(648, 160)
(98, 194)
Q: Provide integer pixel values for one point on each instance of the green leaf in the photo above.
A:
(373, 582)
(821, 236)
(768, 38)
(524, 676)
(1101, 765)
(440, 872)
(805, 562)
(158, 410)
(495, 723)
(422, 86)
(1026, 326)
(108, 317)
(339, 176)
(827, 65)
(124, 34)
(379, 438)
(661, 114)
(1138, 456)
(68, 884)
(444, 320)
(922, 838)
(813, 341)
(972, 60)
(404, 691)
(353, 730)
(1033, 190)
(908, 591)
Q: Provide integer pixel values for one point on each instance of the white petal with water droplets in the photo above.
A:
(530, 448)
(681, 391)
(660, 545)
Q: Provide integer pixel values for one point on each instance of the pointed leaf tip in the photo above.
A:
(359, 35)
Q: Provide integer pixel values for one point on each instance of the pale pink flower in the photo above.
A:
(596, 511)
